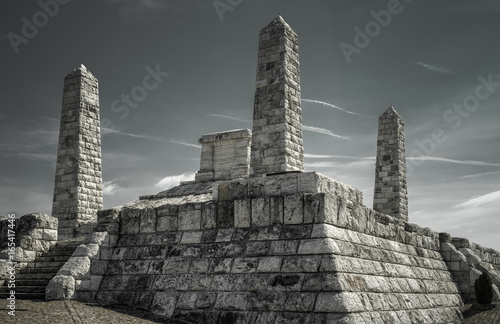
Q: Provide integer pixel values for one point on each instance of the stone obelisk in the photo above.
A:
(277, 118)
(78, 180)
(391, 196)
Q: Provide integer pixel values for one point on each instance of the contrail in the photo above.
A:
(337, 107)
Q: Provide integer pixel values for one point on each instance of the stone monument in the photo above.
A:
(390, 172)
(277, 117)
(78, 180)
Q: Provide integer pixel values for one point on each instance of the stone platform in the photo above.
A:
(277, 249)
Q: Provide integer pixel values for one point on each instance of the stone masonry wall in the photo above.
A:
(225, 155)
(78, 179)
(303, 257)
(35, 233)
(467, 261)
(81, 276)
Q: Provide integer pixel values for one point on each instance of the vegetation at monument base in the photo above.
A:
(483, 289)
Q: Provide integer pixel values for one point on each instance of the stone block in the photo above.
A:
(260, 211)
(300, 302)
(191, 237)
(242, 213)
(308, 263)
(245, 265)
(189, 217)
(270, 264)
(283, 247)
(77, 267)
(266, 301)
(148, 220)
(331, 302)
(293, 209)
(167, 223)
(49, 234)
(89, 250)
(276, 210)
(164, 303)
(318, 246)
(225, 214)
(130, 221)
(209, 215)
(60, 287)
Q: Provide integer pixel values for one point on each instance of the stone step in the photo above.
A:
(53, 264)
(22, 289)
(35, 276)
(30, 282)
(63, 248)
(52, 258)
(20, 295)
(40, 270)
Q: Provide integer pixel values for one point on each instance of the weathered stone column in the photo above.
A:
(78, 180)
(390, 170)
(277, 118)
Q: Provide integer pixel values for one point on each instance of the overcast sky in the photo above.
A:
(437, 62)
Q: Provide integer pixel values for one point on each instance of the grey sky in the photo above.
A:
(430, 57)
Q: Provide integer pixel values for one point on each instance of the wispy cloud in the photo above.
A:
(481, 200)
(478, 175)
(184, 143)
(313, 129)
(435, 68)
(324, 131)
(147, 137)
(172, 181)
(465, 162)
(109, 187)
(337, 107)
(316, 156)
(231, 118)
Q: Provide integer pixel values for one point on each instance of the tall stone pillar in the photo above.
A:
(277, 118)
(391, 196)
(78, 180)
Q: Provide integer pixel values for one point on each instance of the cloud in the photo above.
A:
(481, 200)
(465, 162)
(172, 181)
(323, 131)
(184, 143)
(304, 127)
(477, 175)
(315, 156)
(231, 117)
(337, 107)
(109, 187)
(330, 164)
(435, 68)
(147, 137)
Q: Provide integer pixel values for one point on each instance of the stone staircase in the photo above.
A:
(32, 280)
